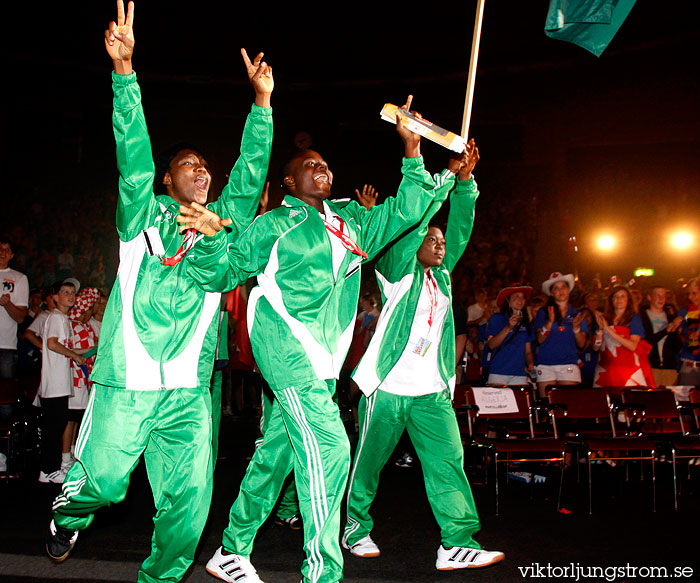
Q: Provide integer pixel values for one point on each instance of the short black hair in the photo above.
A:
(162, 163)
(286, 168)
(436, 225)
(5, 240)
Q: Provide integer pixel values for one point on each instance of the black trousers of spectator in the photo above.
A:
(54, 417)
(8, 370)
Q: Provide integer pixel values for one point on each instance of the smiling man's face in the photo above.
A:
(309, 178)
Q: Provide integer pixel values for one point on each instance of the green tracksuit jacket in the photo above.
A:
(300, 317)
(429, 419)
(159, 332)
(401, 280)
(160, 329)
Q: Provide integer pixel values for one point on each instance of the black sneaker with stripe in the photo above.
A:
(466, 558)
(60, 542)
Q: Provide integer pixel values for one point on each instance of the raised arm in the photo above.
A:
(460, 220)
(399, 256)
(134, 156)
(383, 223)
(410, 139)
(239, 199)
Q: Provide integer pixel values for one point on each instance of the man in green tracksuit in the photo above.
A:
(307, 256)
(156, 352)
(407, 375)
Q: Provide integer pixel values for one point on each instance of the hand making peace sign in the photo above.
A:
(119, 38)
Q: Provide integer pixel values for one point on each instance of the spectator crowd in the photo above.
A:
(569, 332)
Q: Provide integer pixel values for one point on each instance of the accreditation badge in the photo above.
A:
(422, 346)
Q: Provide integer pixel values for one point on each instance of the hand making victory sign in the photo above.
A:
(119, 39)
(198, 217)
(260, 75)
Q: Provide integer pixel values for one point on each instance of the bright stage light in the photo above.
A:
(606, 242)
(681, 240)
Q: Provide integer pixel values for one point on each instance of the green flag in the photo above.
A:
(591, 24)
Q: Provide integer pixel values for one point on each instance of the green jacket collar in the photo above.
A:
(293, 201)
(168, 205)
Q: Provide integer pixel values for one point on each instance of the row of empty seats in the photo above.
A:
(609, 424)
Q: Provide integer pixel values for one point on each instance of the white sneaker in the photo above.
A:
(365, 547)
(466, 558)
(232, 568)
(65, 466)
(56, 477)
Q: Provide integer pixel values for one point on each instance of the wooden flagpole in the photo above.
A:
(472, 69)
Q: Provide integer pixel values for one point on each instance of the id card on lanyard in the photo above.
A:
(423, 344)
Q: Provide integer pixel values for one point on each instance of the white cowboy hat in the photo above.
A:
(554, 278)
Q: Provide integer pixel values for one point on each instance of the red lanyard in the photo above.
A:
(432, 287)
(187, 244)
(347, 242)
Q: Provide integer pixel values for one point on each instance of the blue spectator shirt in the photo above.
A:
(508, 358)
(560, 346)
(691, 323)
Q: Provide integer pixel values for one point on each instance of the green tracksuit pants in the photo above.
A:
(288, 506)
(217, 378)
(432, 427)
(303, 431)
(289, 503)
(172, 428)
